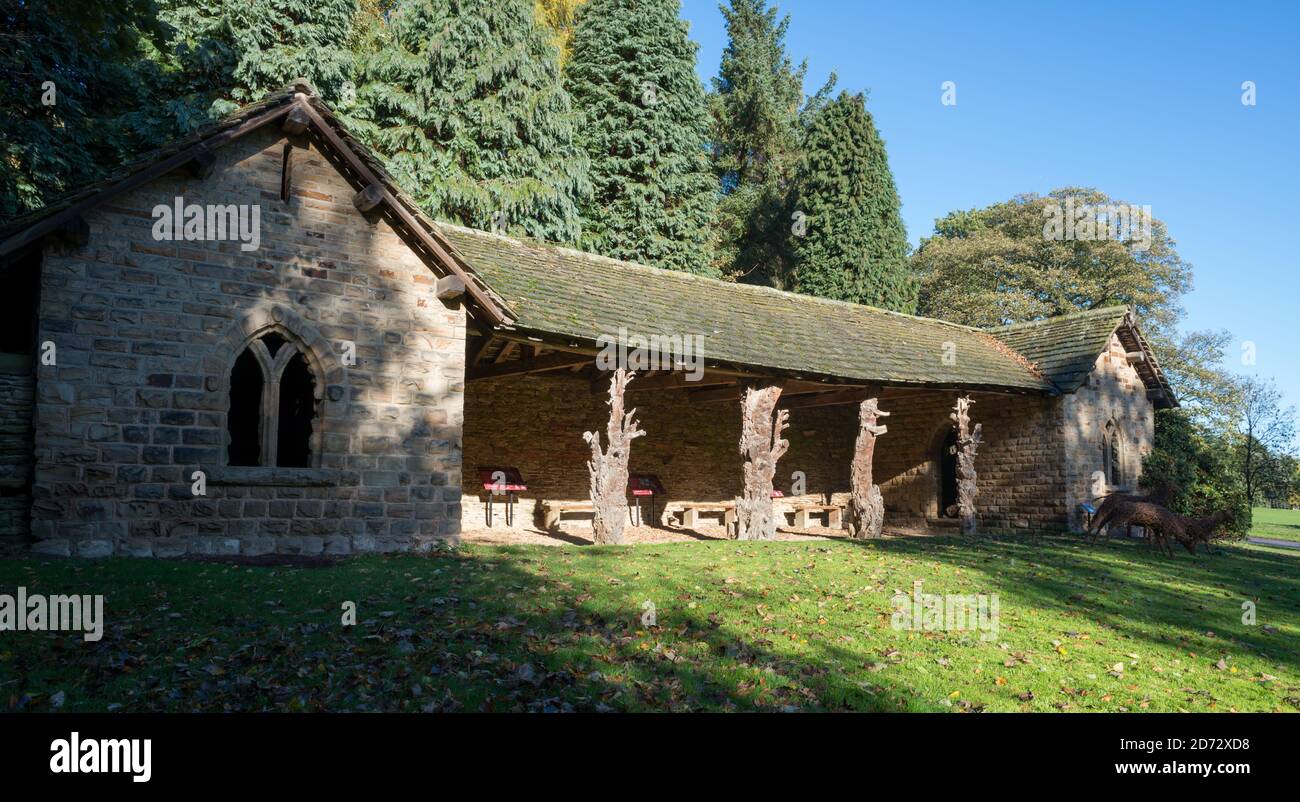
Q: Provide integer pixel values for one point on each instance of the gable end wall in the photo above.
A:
(146, 332)
(1113, 391)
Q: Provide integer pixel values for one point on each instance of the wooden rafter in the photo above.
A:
(559, 360)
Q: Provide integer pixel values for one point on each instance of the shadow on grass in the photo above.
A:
(540, 628)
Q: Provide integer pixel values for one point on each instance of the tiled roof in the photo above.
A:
(1065, 348)
(560, 291)
(579, 295)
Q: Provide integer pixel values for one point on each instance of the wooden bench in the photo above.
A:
(553, 511)
(691, 511)
(834, 514)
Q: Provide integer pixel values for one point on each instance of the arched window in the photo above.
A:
(1112, 459)
(272, 405)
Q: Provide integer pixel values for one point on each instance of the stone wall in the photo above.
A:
(1019, 475)
(17, 395)
(1114, 392)
(536, 423)
(147, 332)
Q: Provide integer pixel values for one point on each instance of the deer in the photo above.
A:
(1202, 530)
(1160, 495)
(1165, 526)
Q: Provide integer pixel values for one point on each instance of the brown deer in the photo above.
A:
(1158, 521)
(1165, 526)
(1160, 494)
(1202, 530)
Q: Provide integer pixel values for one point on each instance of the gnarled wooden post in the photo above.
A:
(968, 441)
(867, 505)
(608, 469)
(761, 445)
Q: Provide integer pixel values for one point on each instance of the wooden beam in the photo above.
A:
(367, 199)
(790, 388)
(449, 288)
(200, 166)
(521, 367)
(506, 347)
(296, 122)
(677, 381)
(853, 395)
(286, 173)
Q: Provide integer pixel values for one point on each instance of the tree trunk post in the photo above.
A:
(761, 445)
(608, 468)
(867, 505)
(968, 441)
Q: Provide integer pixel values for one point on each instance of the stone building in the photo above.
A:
(254, 342)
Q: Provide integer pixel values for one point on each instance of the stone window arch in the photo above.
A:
(1112, 454)
(274, 404)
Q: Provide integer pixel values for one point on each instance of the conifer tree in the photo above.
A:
(71, 68)
(853, 245)
(644, 125)
(755, 107)
(464, 100)
(558, 17)
(225, 53)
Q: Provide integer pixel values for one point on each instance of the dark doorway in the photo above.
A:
(947, 462)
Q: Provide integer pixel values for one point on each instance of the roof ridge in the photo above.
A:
(659, 271)
(1082, 313)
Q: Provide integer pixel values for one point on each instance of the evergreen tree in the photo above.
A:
(644, 125)
(71, 68)
(225, 53)
(755, 108)
(559, 17)
(464, 100)
(854, 245)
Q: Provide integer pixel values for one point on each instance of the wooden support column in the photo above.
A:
(968, 441)
(762, 446)
(867, 506)
(608, 468)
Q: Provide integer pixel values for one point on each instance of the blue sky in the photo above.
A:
(1142, 101)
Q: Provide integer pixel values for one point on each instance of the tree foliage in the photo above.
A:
(559, 17)
(236, 51)
(990, 266)
(1267, 430)
(1194, 459)
(854, 246)
(464, 100)
(72, 69)
(644, 126)
(755, 106)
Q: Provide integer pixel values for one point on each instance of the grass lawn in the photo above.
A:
(1276, 524)
(768, 626)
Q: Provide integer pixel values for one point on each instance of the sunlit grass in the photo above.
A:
(768, 626)
(1275, 524)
